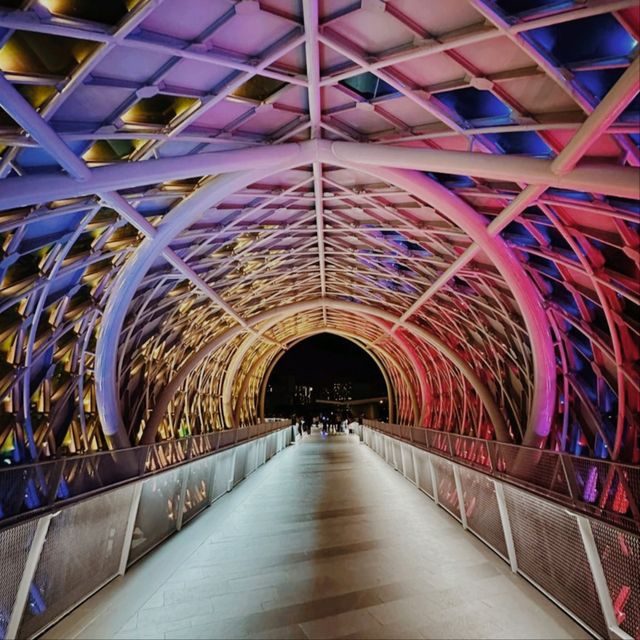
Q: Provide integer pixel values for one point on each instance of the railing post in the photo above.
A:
(622, 479)
(131, 522)
(461, 507)
(148, 457)
(434, 479)
(29, 571)
(489, 445)
(506, 526)
(232, 475)
(416, 470)
(493, 456)
(599, 579)
(406, 455)
(53, 487)
(212, 479)
(142, 453)
(570, 478)
(183, 492)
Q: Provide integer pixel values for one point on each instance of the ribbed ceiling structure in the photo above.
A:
(189, 187)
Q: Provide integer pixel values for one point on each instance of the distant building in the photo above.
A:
(339, 391)
(302, 395)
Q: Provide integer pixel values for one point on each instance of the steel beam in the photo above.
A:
(481, 33)
(605, 179)
(125, 175)
(13, 102)
(527, 297)
(123, 290)
(29, 119)
(131, 215)
(540, 420)
(318, 191)
(596, 124)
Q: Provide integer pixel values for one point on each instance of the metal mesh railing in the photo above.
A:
(14, 548)
(588, 566)
(53, 561)
(408, 463)
(81, 554)
(240, 462)
(26, 490)
(446, 487)
(198, 490)
(550, 552)
(157, 514)
(481, 509)
(423, 472)
(620, 554)
(222, 473)
(605, 490)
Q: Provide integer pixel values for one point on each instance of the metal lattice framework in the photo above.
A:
(190, 187)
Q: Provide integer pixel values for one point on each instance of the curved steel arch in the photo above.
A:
(527, 297)
(274, 362)
(593, 260)
(276, 356)
(272, 316)
(599, 178)
(405, 348)
(128, 280)
(439, 197)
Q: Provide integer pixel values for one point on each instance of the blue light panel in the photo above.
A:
(473, 104)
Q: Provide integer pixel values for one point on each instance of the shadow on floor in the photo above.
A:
(325, 541)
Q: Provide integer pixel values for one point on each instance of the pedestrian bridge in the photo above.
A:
(325, 540)
(190, 188)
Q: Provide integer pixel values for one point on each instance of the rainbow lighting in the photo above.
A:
(189, 188)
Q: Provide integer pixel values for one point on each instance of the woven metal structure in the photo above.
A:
(190, 187)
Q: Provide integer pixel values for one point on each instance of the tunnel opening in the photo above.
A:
(327, 375)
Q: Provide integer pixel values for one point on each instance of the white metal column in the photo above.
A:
(28, 573)
(232, 474)
(131, 522)
(186, 471)
(212, 478)
(434, 479)
(506, 526)
(461, 507)
(416, 470)
(599, 578)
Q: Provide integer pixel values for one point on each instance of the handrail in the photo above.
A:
(605, 490)
(35, 488)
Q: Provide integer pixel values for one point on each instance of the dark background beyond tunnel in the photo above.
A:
(326, 367)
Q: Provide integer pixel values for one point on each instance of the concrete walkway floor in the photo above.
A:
(324, 541)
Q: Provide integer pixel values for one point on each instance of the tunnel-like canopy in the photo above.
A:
(191, 187)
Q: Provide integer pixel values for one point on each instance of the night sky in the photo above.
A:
(326, 358)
